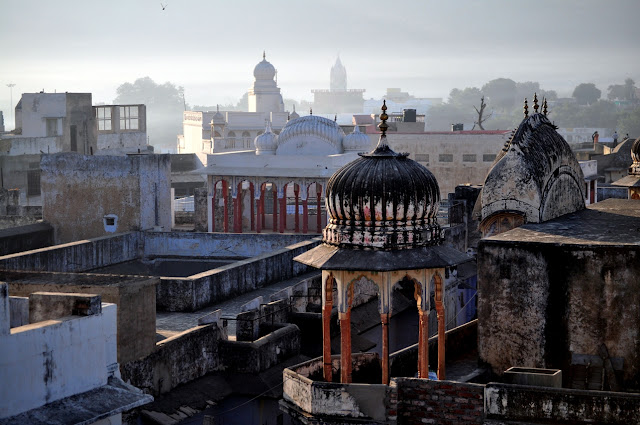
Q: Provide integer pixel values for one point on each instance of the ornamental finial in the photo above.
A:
(535, 102)
(264, 55)
(526, 108)
(544, 106)
(384, 117)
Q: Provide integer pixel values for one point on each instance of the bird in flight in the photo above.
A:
(163, 6)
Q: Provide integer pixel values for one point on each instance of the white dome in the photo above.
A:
(267, 142)
(264, 70)
(310, 135)
(356, 141)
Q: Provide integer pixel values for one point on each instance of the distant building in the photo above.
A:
(338, 98)
(632, 181)
(48, 123)
(206, 132)
(398, 100)
(264, 95)
(121, 129)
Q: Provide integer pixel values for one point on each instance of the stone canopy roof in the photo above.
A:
(536, 175)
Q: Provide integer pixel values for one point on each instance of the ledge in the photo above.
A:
(85, 408)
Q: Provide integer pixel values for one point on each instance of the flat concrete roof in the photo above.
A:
(612, 222)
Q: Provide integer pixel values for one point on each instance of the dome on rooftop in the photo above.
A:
(264, 70)
(356, 141)
(382, 201)
(267, 142)
(310, 135)
(218, 118)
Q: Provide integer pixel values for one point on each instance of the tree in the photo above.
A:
(629, 123)
(501, 92)
(464, 98)
(626, 91)
(586, 93)
(165, 104)
(480, 113)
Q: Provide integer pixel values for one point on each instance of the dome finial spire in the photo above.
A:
(384, 117)
(544, 106)
(264, 55)
(535, 102)
(526, 108)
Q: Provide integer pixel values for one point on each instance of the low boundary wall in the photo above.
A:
(78, 256)
(201, 290)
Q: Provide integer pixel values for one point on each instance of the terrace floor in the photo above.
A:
(171, 323)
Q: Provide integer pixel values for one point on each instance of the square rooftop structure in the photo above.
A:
(566, 286)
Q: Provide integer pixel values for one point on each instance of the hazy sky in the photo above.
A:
(211, 46)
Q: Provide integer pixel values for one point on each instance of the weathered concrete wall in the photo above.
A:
(15, 170)
(77, 256)
(25, 238)
(135, 297)
(177, 360)
(201, 290)
(423, 401)
(462, 339)
(9, 221)
(19, 311)
(453, 158)
(162, 244)
(538, 303)
(51, 360)
(54, 305)
(560, 406)
(606, 192)
(200, 209)
(135, 190)
(281, 343)
(8, 197)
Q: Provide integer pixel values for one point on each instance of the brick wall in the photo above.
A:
(423, 401)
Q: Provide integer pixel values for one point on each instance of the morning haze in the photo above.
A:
(210, 48)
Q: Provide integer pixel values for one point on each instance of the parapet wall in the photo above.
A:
(220, 245)
(198, 291)
(78, 256)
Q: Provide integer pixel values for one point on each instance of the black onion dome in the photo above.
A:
(382, 200)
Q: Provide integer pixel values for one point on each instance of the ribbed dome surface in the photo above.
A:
(382, 200)
(310, 132)
(356, 141)
(267, 142)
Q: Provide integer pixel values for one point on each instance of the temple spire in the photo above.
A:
(544, 106)
(264, 55)
(535, 103)
(526, 108)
